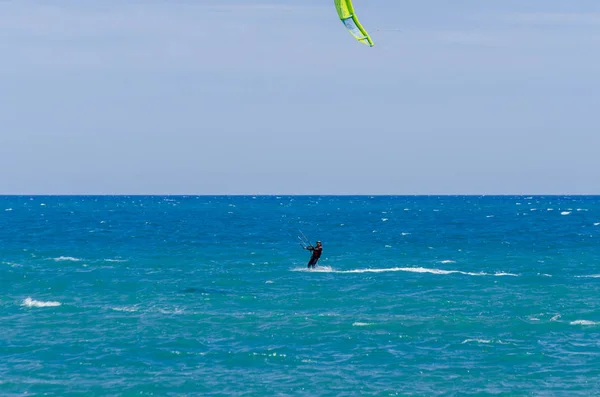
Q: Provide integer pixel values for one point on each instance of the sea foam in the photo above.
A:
(28, 302)
(66, 258)
(583, 322)
(329, 269)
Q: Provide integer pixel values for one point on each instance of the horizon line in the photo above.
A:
(303, 195)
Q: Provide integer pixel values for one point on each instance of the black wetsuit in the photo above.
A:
(316, 254)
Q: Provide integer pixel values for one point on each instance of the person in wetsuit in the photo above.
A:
(316, 254)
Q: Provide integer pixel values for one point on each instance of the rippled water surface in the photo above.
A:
(415, 296)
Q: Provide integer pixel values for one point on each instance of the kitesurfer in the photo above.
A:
(316, 254)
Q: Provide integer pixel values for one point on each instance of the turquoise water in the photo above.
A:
(413, 296)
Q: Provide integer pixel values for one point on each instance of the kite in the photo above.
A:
(346, 12)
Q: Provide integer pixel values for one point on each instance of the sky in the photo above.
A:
(276, 97)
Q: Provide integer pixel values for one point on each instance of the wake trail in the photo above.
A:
(329, 269)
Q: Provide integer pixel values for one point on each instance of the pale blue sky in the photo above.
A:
(276, 97)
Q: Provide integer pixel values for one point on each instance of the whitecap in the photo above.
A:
(268, 282)
(565, 212)
(405, 233)
(448, 261)
(328, 315)
(359, 324)
(384, 219)
(8, 209)
(597, 223)
(490, 216)
(28, 302)
(583, 322)
(555, 317)
(500, 274)
(388, 246)
(115, 260)
(66, 258)
(485, 341)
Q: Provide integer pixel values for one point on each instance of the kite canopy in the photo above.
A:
(346, 12)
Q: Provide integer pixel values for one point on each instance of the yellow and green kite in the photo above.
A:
(346, 12)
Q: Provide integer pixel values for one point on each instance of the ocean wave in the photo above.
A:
(129, 309)
(66, 258)
(328, 315)
(170, 311)
(28, 302)
(584, 322)
(501, 274)
(486, 341)
(544, 317)
(274, 354)
(329, 269)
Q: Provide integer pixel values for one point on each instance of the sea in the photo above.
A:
(211, 296)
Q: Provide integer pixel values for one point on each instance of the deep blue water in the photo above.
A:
(414, 296)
